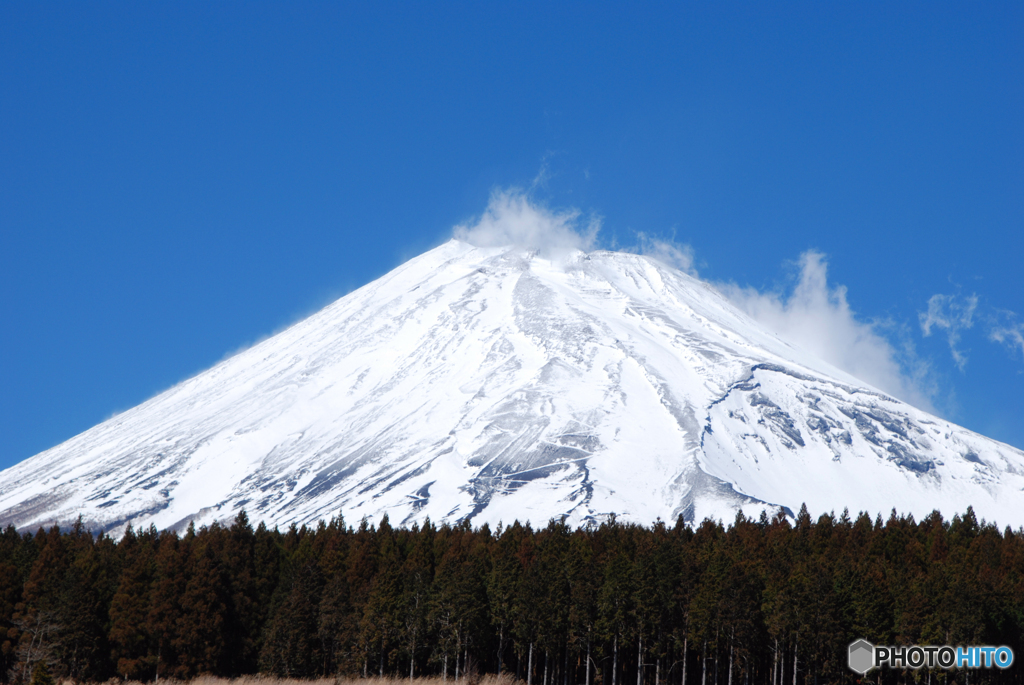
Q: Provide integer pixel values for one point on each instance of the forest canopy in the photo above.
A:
(769, 601)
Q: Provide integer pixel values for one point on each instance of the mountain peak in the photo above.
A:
(492, 383)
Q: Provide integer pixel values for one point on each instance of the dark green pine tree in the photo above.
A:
(738, 567)
(205, 621)
(503, 585)
(647, 602)
(683, 578)
(417, 581)
(36, 617)
(381, 625)
(704, 619)
(459, 607)
(871, 605)
(361, 571)
(614, 601)
(338, 625)
(291, 645)
(552, 592)
(133, 647)
(11, 581)
(84, 596)
(527, 608)
(583, 578)
(165, 604)
(252, 575)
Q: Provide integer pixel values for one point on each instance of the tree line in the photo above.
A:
(773, 601)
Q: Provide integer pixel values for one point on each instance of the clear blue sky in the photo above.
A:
(178, 180)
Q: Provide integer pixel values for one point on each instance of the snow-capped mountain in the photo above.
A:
(494, 384)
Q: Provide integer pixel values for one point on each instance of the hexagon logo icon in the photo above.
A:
(862, 656)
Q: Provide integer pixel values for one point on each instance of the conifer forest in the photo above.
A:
(773, 601)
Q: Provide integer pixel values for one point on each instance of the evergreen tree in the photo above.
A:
(772, 601)
(164, 606)
(503, 586)
(133, 647)
(381, 625)
(84, 594)
(583, 580)
(291, 646)
(11, 582)
(205, 622)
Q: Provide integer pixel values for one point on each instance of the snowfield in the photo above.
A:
(492, 384)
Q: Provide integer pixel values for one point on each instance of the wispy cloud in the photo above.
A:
(669, 252)
(512, 218)
(1006, 329)
(818, 319)
(952, 314)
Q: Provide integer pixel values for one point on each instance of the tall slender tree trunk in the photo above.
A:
(640, 660)
(704, 664)
(730, 656)
(501, 645)
(615, 659)
(657, 671)
(686, 641)
(28, 660)
(775, 664)
(444, 667)
(545, 667)
(412, 657)
(588, 657)
(718, 634)
(529, 667)
(796, 660)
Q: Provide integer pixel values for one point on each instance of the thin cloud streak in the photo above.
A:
(669, 252)
(1004, 328)
(953, 314)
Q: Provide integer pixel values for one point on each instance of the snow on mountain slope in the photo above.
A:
(493, 384)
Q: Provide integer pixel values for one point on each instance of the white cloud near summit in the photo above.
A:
(668, 252)
(818, 319)
(814, 316)
(511, 218)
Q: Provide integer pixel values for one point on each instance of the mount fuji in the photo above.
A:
(489, 384)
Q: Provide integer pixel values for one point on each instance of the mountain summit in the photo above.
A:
(493, 383)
